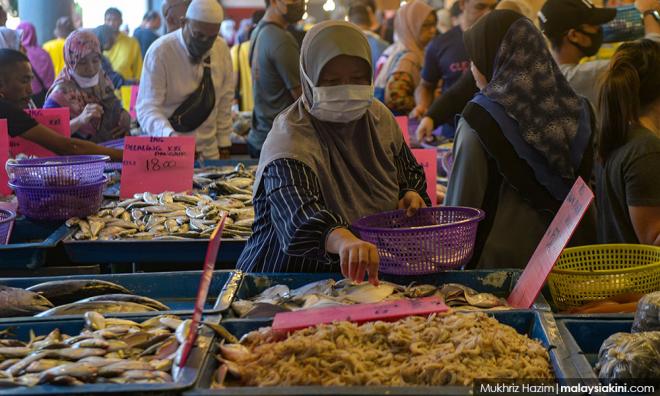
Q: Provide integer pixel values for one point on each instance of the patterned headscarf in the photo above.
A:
(527, 83)
(67, 93)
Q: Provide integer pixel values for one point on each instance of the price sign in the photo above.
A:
(4, 156)
(427, 158)
(129, 95)
(157, 164)
(55, 119)
(403, 124)
(553, 243)
(203, 291)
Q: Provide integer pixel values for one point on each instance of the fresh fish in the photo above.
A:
(319, 287)
(67, 291)
(273, 294)
(14, 352)
(80, 371)
(78, 353)
(98, 361)
(264, 310)
(92, 343)
(112, 322)
(116, 369)
(156, 321)
(94, 320)
(146, 301)
(183, 330)
(19, 302)
(98, 306)
(366, 293)
(7, 364)
(43, 365)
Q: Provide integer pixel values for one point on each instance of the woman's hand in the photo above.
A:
(411, 202)
(356, 256)
(90, 112)
(425, 129)
(418, 112)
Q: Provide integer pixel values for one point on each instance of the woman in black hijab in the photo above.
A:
(521, 142)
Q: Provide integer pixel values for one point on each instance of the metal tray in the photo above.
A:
(583, 337)
(29, 243)
(497, 282)
(178, 290)
(533, 324)
(190, 374)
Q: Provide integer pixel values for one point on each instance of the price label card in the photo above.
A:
(203, 290)
(157, 164)
(4, 156)
(553, 243)
(427, 158)
(403, 124)
(129, 95)
(55, 119)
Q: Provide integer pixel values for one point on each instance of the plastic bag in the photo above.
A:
(647, 317)
(626, 356)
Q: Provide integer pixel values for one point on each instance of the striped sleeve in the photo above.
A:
(410, 174)
(297, 211)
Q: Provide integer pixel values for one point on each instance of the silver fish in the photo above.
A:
(98, 306)
(19, 302)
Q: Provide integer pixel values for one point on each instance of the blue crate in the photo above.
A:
(583, 337)
(29, 243)
(178, 290)
(190, 375)
(533, 324)
(497, 282)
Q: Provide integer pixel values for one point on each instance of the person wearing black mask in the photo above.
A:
(274, 60)
(187, 85)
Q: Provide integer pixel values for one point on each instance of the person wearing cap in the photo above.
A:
(55, 47)
(187, 84)
(125, 55)
(173, 12)
(574, 30)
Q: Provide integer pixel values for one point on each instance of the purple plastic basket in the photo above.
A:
(59, 203)
(433, 240)
(63, 171)
(7, 218)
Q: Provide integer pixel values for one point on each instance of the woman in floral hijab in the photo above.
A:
(83, 87)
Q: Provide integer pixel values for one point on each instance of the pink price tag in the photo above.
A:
(157, 164)
(427, 158)
(553, 243)
(359, 313)
(55, 119)
(403, 124)
(134, 95)
(203, 291)
(4, 156)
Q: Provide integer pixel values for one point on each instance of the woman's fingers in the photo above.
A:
(363, 264)
(353, 262)
(414, 206)
(343, 263)
(374, 262)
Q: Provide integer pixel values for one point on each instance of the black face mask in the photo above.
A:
(294, 12)
(596, 42)
(198, 48)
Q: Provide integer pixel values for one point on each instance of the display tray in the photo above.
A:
(178, 290)
(533, 324)
(29, 243)
(190, 375)
(583, 338)
(497, 282)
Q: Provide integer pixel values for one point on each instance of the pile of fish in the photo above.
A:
(110, 351)
(177, 216)
(328, 292)
(73, 297)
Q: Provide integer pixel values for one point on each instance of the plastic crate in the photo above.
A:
(29, 244)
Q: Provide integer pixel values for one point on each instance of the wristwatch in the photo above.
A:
(654, 13)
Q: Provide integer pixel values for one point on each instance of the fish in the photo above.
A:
(98, 306)
(20, 302)
(116, 369)
(14, 352)
(68, 291)
(94, 320)
(146, 301)
(79, 371)
(43, 365)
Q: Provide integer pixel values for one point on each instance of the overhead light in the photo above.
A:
(305, 15)
(329, 6)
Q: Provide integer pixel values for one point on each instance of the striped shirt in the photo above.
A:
(292, 222)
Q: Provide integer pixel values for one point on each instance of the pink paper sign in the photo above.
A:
(55, 119)
(553, 243)
(4, 156)
(403, 124)
(427, 158)
(157, 164)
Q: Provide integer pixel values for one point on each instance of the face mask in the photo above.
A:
(340, 103)
(294, 12)
(198, 48)
(596, 42)
(86, 82)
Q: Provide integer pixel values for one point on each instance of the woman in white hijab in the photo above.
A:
(332, 157)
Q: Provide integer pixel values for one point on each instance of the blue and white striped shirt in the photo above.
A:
(292, 222)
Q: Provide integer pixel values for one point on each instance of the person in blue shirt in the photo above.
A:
(145, 34)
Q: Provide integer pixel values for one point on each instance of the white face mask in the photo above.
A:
(86, 82)
(340, 103)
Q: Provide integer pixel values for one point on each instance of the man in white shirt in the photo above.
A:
(174, 70)
(575, 32)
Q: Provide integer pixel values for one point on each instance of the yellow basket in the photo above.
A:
(590, 273)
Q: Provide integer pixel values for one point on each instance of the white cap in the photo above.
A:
(208, 11)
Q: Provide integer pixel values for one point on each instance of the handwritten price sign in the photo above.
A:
(4, 156)
(553, 243)
(156, 164)
(427, 158)
(55, 119)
